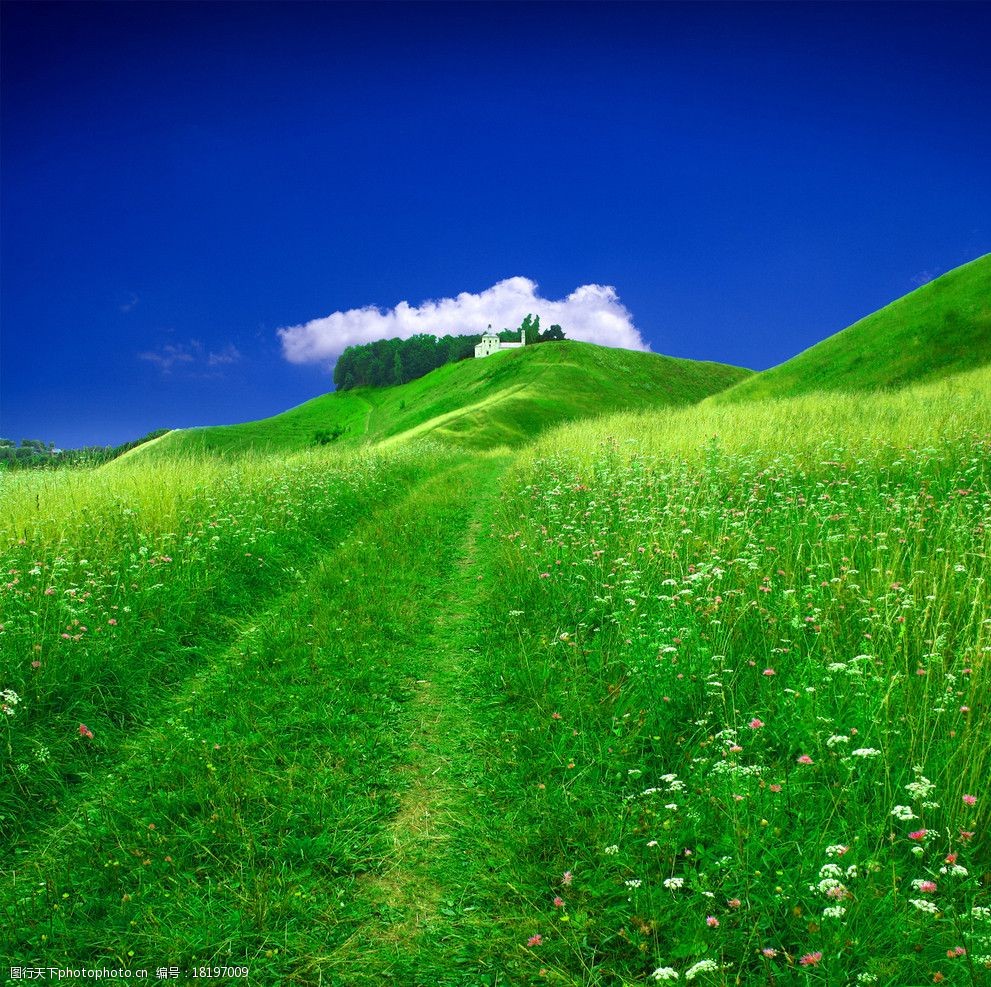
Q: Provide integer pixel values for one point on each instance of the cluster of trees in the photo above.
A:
(36, 454)
(397, 361)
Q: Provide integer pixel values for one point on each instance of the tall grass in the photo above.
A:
(746, 664)
(118, 582)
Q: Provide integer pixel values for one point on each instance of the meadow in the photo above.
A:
(687, 694)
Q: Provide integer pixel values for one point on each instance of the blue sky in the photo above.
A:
(180, 182)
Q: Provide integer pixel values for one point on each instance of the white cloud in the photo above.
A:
(592, 313)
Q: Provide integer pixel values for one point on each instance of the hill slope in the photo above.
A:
(505, 399)
(940, 329)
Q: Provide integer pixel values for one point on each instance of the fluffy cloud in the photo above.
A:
(592, 313)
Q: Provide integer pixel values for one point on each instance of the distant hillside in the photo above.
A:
(940, 329)
(504, 399)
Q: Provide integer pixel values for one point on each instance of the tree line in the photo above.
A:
(387, 362)
(38, 454)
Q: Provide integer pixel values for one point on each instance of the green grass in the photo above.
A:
(696, 688)
(505, 399)
(941, 329)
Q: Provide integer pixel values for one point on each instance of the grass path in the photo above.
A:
(418, 898)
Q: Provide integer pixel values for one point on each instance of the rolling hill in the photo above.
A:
(504, 400)
(938, 330)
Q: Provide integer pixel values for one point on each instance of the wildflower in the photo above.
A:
(926, 887)
(955, 871)
(755, 724)
(956, 951)
(924, 906)
(775, 788)
(555, 716)
(836, 850)
(734, 903)
(834, 911)
(970, 799)
(918, 835)
(84, 731)
(769, 671)
(903, 812)
(769, 952)
(703, 966)
(712, 921)
(805, 759)
(566, 878)
(634, 883)
(674, 883)
(865, 752)
(665, 973)
(535, 940)
(611, 851)
(811, 959)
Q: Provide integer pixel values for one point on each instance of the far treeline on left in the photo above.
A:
(35, 453)
(387, 362)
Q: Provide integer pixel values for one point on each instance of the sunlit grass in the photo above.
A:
(747, 654)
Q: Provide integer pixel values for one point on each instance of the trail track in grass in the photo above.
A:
(297, 804)
(418, 896)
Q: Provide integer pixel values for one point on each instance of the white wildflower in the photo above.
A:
(703, 966)
(837, 738)
(834, 911)
(955, 870)
(674, 883)
(923, 905)
(665, 973)
(634, 882)
(611, 851)
(865, 752)
(903, 812)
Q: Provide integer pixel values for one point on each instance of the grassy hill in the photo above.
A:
(504, 400)
(938, 330)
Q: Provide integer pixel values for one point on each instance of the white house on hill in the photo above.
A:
(491, 342)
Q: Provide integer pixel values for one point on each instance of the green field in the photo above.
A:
(941, 329)
(552, 669)
(505, 400)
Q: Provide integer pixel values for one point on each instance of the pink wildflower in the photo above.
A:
(918, 835)
(970, 799)
(755, 724)
(805, 759)
(770, 671)
(769, 952)
(84, 731)
(811, 959)
(558, 902)
(734, 903)
(566, 878)
(775, 788)
(555, 716)
(927, 887)
(712, 921)
(535, 940)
